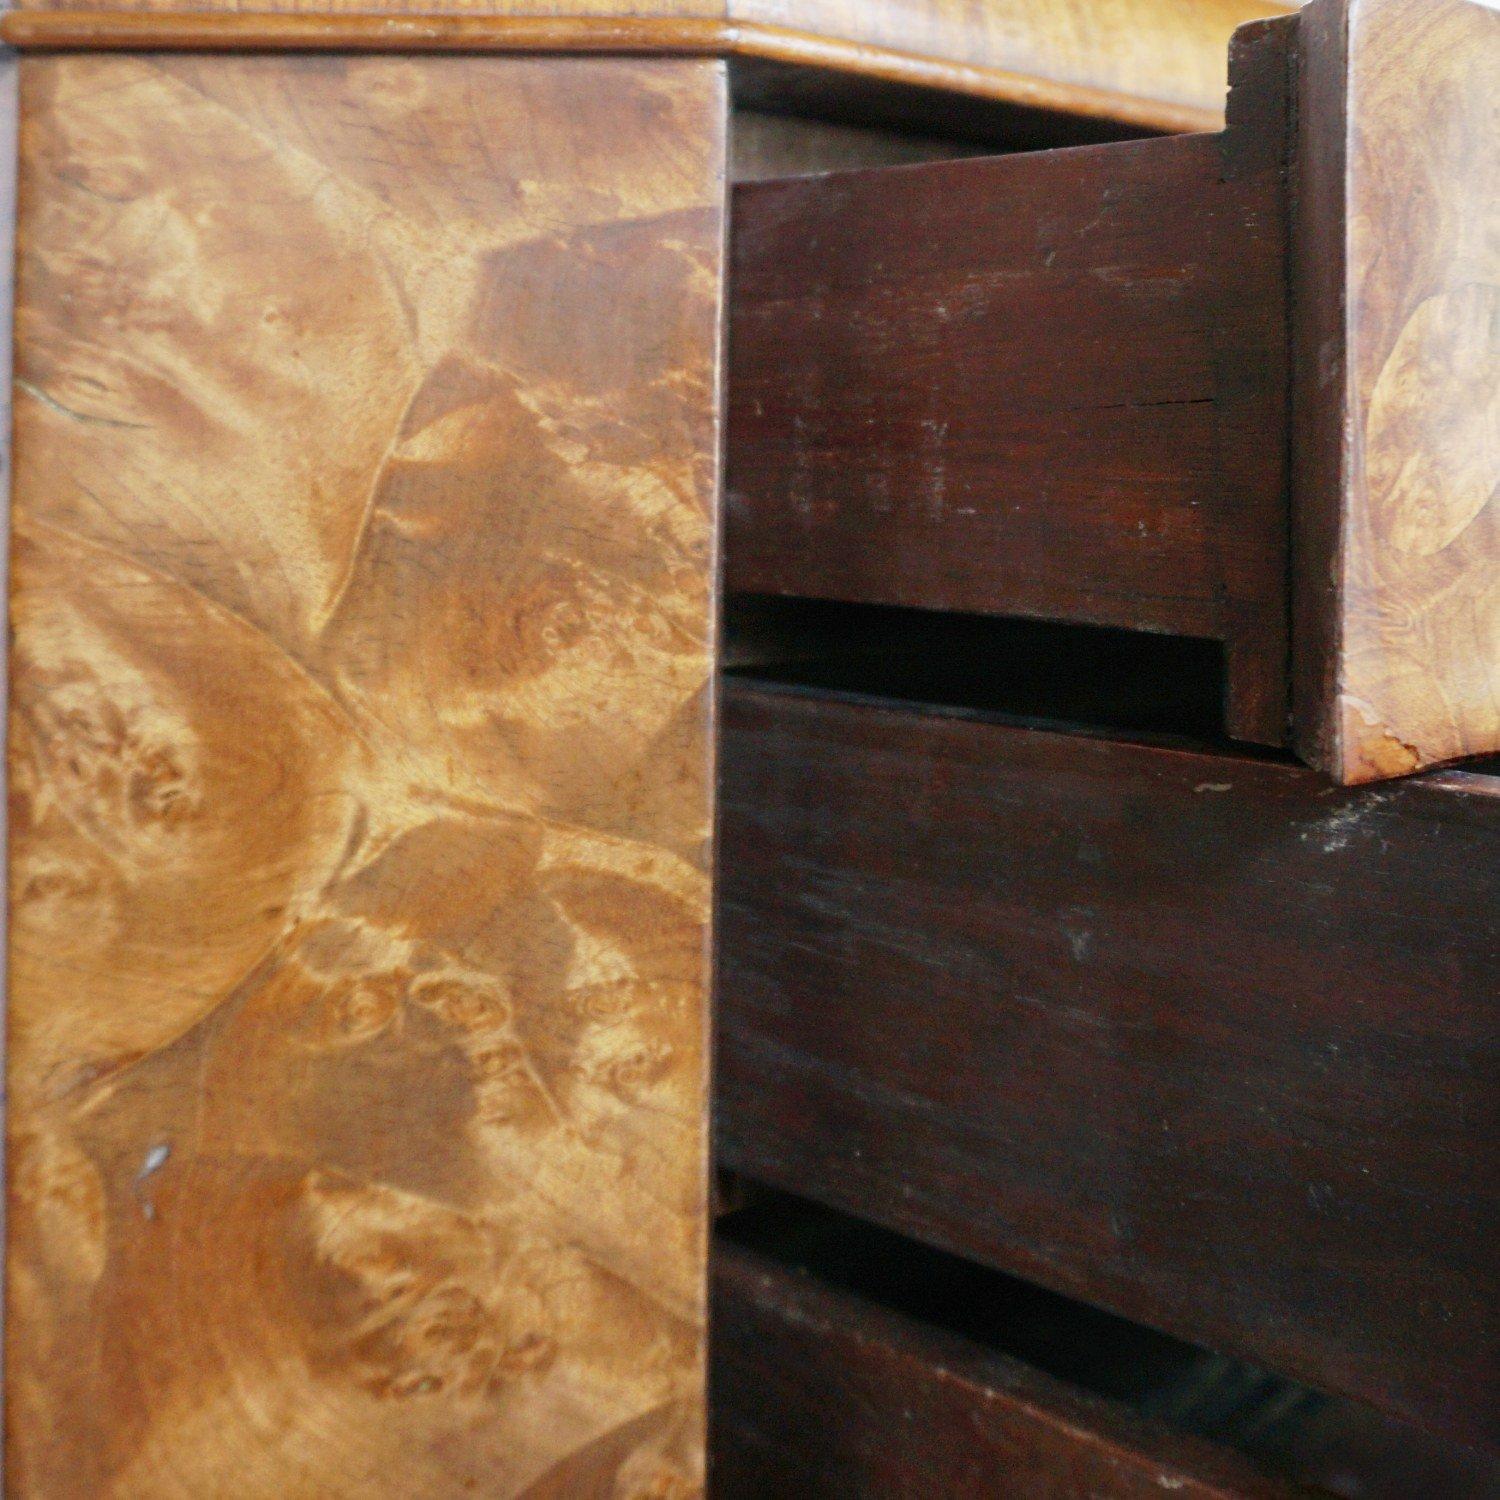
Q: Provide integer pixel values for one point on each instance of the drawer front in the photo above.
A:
(817, 1393)
(1236, 387)
(1193, 1037)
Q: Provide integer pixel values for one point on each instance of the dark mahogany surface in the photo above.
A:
(816, 1393)
(1049, 384)
(1192, 1036)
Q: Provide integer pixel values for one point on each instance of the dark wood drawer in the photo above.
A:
(817, 1393)
(1191, 1036)
(1048, 384)
(1231, 387)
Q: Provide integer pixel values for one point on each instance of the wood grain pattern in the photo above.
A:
(822, 1395)
(1193, 1037)
(1050, 385)
(1171, 50)
(227, 30)
(1398, 489)
(1158, 63)
(794, 72)
(550, 10)
(361, 775)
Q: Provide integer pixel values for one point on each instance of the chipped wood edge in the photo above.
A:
(225, 31)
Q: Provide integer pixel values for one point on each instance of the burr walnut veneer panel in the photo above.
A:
(1195, 1037)
(361, 775)
(1398, 399)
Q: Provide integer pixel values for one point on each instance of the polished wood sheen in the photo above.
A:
(1191, 1036)
(361, 776)
(776, 66)
(1171, 50)
(1398, 472)
(226, 30)
(1158, 64)
(821, 1395)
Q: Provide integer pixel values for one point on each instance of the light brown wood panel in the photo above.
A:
(776, 67)
(361, 775)
(1154, 62)
(557, 8)
(1398, 251)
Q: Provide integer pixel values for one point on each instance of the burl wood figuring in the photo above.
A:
(1397, 453)
(361, 776)
(1191, 1036)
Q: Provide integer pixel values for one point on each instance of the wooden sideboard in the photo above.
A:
(398, 392)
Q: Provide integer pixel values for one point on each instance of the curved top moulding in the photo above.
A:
(1145, 64)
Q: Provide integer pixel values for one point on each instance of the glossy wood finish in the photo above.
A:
(798, 72)
(1398, 266)
(324, 30)
(1191, 1036)
(561, 12)
(1157, 63)
(1167, 50)
(361, 775)
(1050, 385)
(817, 1393)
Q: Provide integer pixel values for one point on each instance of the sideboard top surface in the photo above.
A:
(1157, 64)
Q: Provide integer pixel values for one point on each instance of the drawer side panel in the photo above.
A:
(1189, 1036)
